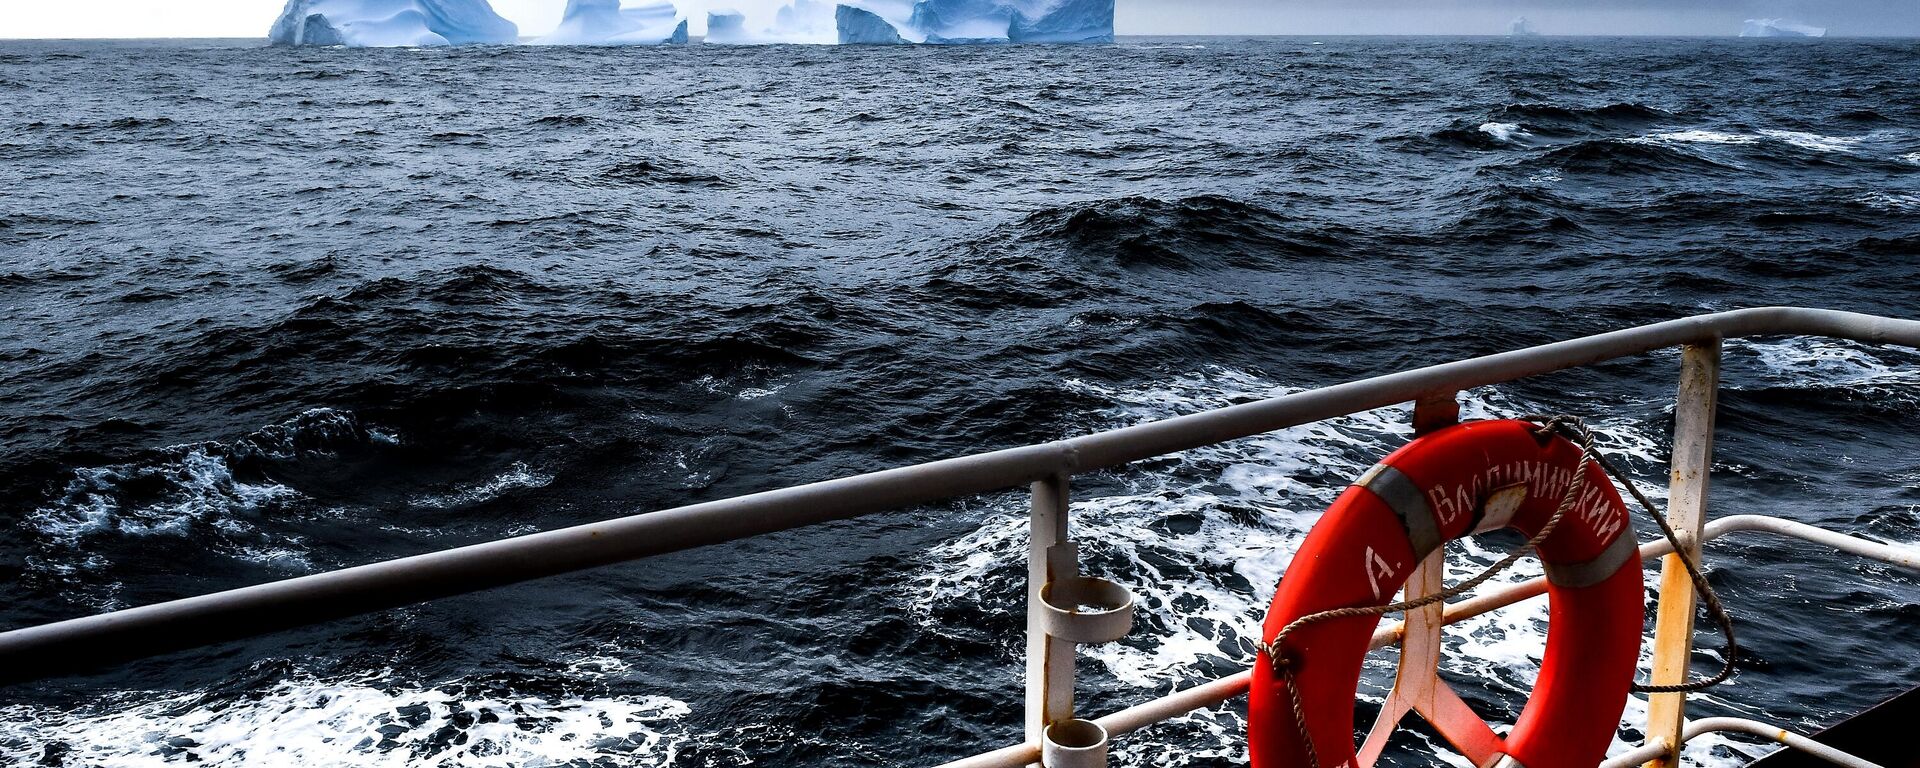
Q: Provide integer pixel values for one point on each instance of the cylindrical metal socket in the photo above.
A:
(1086, 610)
(1074, 744)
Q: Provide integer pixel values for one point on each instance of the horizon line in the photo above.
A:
(1117, 37)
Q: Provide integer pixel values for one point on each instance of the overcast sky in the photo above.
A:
(250, 18)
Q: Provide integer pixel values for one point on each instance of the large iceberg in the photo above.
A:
(605, 22)
(1780, 28)
(980, 21)
(1520, 27)
(859, 26)
(388, 23)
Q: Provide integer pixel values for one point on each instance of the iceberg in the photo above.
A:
(605, 22)
(1013, 21)
(1780, 28)
(727, 27)
(800, 21)
(939, 22)
(1520, 27)
(1067, 21)
(390, 23)
(859, 26)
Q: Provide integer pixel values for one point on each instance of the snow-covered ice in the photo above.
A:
(1521, 27)
(1780, 28)
(390, 23)
(606, 22)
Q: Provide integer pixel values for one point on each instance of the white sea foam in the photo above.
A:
(1697, 137)
(1808, 362)
(752, 384)
(1809, 141)
(1892, 201)
(195, 490)
(516, 477)
(195, 486)
(194, 483)
(1911, 157)
(1814, 141)
(1202, 539)
(1505, 131)
(367, 722)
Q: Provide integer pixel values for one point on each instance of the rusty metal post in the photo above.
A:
(1049, 659)
(1436, 411)
(1687, 511)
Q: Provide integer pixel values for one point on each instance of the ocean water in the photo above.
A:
(271, 312)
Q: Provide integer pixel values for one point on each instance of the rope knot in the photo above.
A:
(1280, 660)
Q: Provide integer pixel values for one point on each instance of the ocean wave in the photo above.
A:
(1505, 131)
(644, 172)
(366, 721)
(1892, 201)
(1814, 141)
(1886, 376)
(1697, 136)
(1614, 115)
(213, 494)
(1528, 124)
(1628, 157)
(170, 491)
(1514, 211)
(1191, 233)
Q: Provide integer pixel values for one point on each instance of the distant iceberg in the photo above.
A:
(859, 26)
(799, 21)
(958, 22)
(727, 27)
(1520, 27)
(391, 23)
(1780, 28)
(605, 22)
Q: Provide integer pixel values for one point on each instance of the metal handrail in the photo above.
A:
(1703, 726)
(81, 643)
(1235, 685)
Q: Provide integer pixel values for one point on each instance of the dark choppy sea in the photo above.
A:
(270, 312)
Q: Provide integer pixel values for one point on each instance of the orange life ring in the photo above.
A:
(1433, 490)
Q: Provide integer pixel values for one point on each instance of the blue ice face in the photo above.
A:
(1031, 21)
(858, 26)
(605, 22)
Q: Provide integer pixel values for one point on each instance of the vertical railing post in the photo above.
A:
(1049, 659)
(1687, 511)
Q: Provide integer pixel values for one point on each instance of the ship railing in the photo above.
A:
(1065, 607)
